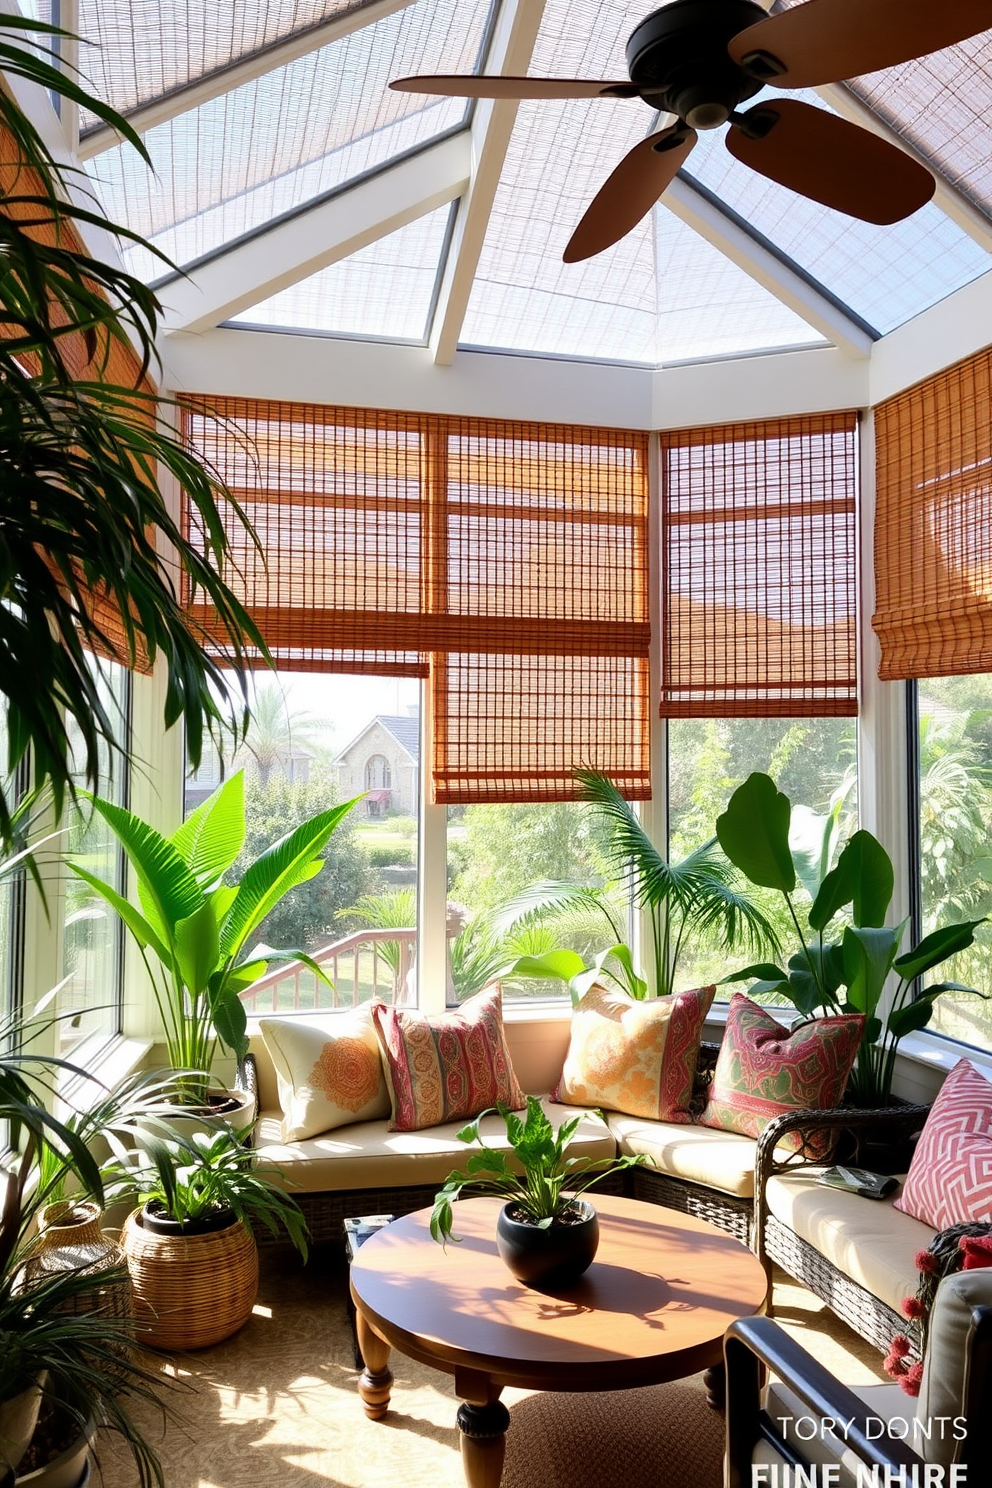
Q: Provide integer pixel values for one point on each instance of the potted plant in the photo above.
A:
(194, 930)
(546, 1233)
(701, 894)
(839, 967)
(57, 1354)
(190, 1247)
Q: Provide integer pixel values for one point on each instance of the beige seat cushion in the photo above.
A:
(867, 1239)
(368, 1155)
(700, 1154)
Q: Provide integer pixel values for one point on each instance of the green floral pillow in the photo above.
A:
(763, 1069)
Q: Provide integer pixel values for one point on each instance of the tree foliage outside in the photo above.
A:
(308, 917)
(955, 797)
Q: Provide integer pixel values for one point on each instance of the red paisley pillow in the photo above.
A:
(763, 1069)
(446, 1067)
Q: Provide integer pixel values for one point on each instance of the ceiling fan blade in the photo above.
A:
(830, 160)
(631, 191)
(462, 85)
(825, 41)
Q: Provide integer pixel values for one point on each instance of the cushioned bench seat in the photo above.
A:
(867, 1240)
(698, 1154)
(366, 1155)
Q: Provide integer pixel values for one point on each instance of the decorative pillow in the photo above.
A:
(636, 1057)
(950, 1177)
(763, 1069)
(329, 1073)
(449, 1066)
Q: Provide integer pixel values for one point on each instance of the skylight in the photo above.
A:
(226, 168)
(385, 290)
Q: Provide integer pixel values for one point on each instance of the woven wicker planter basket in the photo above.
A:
(190, 1290)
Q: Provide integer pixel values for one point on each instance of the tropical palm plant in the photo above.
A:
(701, 895)
(193, 930)
(84, 525)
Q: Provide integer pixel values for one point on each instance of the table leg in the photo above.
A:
(482, 1422)
(715, 1380)
(375, 1380)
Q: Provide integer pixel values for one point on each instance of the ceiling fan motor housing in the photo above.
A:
(678, 57)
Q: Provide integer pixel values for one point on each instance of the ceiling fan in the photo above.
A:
(701, 59)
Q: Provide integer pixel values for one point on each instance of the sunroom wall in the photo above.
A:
(266, 364)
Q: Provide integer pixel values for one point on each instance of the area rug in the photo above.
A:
(277, 1407)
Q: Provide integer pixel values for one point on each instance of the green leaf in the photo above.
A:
(563, 964)
(863, 877)
(230, 1022)
(213, 835)
(167, 890)
(754, 834)
(811, 838)
(132, 917)
(285, 864)
(936, 947)
(197, 942)
(763, 970)
(869, 953)
(910, 1017)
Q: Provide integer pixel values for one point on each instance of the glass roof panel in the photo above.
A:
(385, 290)
(271, 145)
(942, 105)
(137, 53)
(661, 294)
(885, 274)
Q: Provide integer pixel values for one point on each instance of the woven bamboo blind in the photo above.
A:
(933, 525)
(94, 358)
(759, 569)
(506, 562)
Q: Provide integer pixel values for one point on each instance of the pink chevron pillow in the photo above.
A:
(950, 1177)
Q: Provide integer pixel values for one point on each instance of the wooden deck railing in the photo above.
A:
(356, 965)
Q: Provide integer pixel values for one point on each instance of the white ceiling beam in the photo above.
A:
(492, 124)
(952, 202)
(245, 70)
(789, 286)
(309, 240)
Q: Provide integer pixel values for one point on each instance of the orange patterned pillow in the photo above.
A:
(636, 1057)
(446, 1067)
(329, 1071)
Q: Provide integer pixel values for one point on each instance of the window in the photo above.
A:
(495, 853)
(316, 739)
(954, 720)
(91, 991)
(812, 760)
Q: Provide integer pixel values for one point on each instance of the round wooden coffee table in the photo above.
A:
(653, 1306)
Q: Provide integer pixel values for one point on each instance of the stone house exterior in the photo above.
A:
(384, 762)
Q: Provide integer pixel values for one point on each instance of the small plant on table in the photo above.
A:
(546, 1232)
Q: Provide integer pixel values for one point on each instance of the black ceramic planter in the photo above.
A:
(157, 1222)
(548, 1258)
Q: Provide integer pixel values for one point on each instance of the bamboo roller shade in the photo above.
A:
(102, 358)
(933, 525)
(507, 562)
(759, 569)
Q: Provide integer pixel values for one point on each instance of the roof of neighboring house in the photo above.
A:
(406, 732)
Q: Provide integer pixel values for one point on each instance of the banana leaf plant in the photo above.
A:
(701, 895)
(846, 953)
(194, 930)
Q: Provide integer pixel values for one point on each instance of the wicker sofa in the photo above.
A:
(364, 1168)
(857, 1254)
